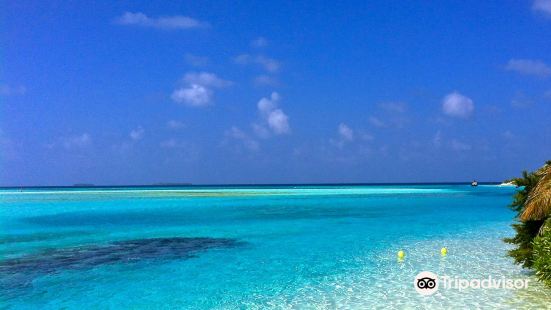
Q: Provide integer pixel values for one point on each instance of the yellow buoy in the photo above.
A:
(401, 254)
(444, 251)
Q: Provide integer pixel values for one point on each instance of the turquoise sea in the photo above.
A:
(282, 247)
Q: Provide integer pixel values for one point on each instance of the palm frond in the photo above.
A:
(538, 204)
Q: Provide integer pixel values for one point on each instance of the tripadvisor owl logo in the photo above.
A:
(426, 283)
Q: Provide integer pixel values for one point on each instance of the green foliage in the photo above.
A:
(525, 231)
(542, 254)
(525, 234)
(533, 238)
(527, 182)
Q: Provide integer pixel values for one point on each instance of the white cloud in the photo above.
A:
(197, 88)
(174, 124)
(346, 133)
(259, 42)
(196, 61)
(272, 121)
(248, 142)
(77, 141)
(276, 120)
(137, 134)
(279, 122)
(542, 6)
(6, 90)
(529, 67)
(193, 95)
(269, 64)
(163, 22)
(205, 79)
(457, 105)
(266, 105)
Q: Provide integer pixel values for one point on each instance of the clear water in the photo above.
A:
(255, 248)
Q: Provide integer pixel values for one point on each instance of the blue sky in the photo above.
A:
(140, 92)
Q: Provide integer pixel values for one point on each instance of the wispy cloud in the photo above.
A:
(529, 67)
(460, 146)
(72, 142)
(542, 6)
(129, 142)
(377, 122)
(345, 135)
(162, 22)
(269, 64)
(172, 144)
(196, 89)
(365, 136)
(206, 79)
(390, 115)
(273, 121)
(437, 139)
(174, 124)
(265, 80)
(520, 100)
(345, 132)
(243, 138)
(457, 105)
(137, 134)
(259, 42)
(274, 118)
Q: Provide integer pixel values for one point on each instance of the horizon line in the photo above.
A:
(85, 185)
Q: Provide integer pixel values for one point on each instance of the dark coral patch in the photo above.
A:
(19, 272)
(115, 252)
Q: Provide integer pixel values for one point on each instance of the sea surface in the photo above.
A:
(267, 247)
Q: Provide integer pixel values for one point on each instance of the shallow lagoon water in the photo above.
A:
(256, 247)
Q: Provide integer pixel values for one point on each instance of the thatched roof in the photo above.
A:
(538, 204)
